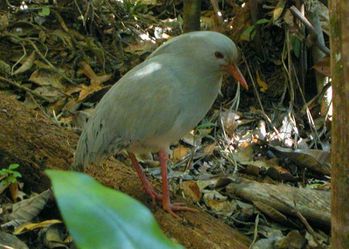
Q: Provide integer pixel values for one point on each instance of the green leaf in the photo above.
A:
(45, 11)
(296, 45)
(4, 172)
(248, 33)
(11, 179)
(99, 217)
(13, 166)
(206, 125)
(262, 21)
(16, 174)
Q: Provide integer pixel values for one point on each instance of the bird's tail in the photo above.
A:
(81, 158)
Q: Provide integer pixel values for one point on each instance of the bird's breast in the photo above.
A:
(193, 106)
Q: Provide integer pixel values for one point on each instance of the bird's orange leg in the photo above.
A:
(166, 203)
(148, 187)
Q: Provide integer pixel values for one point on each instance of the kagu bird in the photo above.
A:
(159, 101)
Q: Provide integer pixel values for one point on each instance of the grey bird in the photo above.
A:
(159, 101)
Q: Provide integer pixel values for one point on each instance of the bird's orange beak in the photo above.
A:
(234, 71)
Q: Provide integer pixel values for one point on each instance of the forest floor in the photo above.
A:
(257, 167)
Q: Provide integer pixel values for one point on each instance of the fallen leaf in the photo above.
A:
(230, 120)
(140, 48)
(278, 10)
(180, 152)
(47, 78)
(32, 226)
(26, 65)
(209, 149)
(9, 241)
(248, 34)
(88, 90)
(261, 83)
(323, 66)
(191, 190)
(55, 236)
(219, 203)
(94, 79)
(28, 209)
(317, 160)
(51, 93)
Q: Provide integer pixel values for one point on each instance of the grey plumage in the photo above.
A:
(159, 100)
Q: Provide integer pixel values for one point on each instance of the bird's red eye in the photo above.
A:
(219, 55)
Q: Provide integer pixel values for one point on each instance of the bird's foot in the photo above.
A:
(177, 206)
(168, 207)
(155, 196)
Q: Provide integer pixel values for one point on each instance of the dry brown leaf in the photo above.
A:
(180, 152)
(140, 48)
(95, 81)
(9, 241)
(317, 160)
(261, 83)
(219, 203)
(277, 172)
(26, 65)
(51, 93)
(99, 79)
(88, 90)
(87, 70)
(191, 190)
(209, 149)
(94, 78)
(323, 66)
(58, 105)
(293, 240)
(71, 105)
(28, 209)
(55, 236)
(47, 78)
(230, 120)
(72, 89)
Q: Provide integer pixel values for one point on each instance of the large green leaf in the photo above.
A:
(99, 217)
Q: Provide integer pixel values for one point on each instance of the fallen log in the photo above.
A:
(31, 139)
(313, 205)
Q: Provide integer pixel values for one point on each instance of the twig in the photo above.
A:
(20, 59)
(309, 116)
(255, 232)
(48, 62)
(38, 105)
(80, 13)
(13, 83)
(311, 28)
(217, 11)
(295, 211)
(258, 98)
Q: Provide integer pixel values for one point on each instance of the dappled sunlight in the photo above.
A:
(149, 68)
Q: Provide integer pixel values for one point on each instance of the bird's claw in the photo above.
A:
(178, 206)
(154, 195)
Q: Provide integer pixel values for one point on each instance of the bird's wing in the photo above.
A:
(139, 106)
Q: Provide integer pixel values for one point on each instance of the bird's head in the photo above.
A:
(212, 49)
